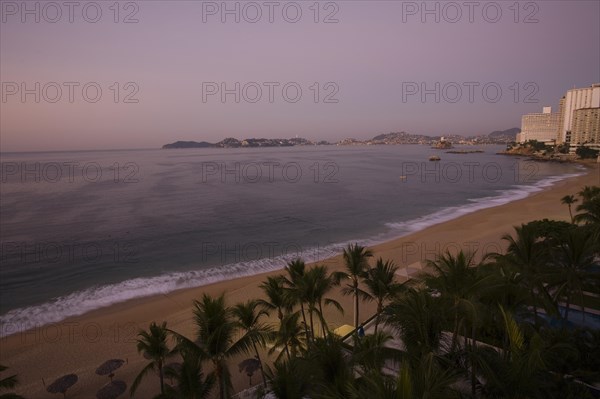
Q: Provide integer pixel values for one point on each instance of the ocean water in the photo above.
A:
(83, 230)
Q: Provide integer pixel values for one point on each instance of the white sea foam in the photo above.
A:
(449, 213)
(80, 302)
(83, 301)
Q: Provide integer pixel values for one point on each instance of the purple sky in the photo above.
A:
(374, 50)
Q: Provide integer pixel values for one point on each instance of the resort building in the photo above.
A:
(540, 126)
(574, 100)
(586, 127)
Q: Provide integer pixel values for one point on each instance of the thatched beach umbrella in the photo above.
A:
(111, 390)
(175, 366)
(109, 366)
(250, 366)
(62, 384)
(172, 369)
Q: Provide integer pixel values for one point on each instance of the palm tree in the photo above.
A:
(289, 379)
(589, 192)
(330, 365)
(529, 256)
(568, 363)
(590, 216)
(569, 200)
(290, 338)
(318, 283)
(381, 285)
(520, 370)
(426, 379)
(417, 316)
(591, 208)
(591, 211)
(374, 351)
(191, 383)
(8, 383)
(216, 334)
(274, 290)
(575, 258)
(457, 280)
(295, 293)
(248, 319)
(153, 345)
(503, 290)
(431, 378)
(356, 262)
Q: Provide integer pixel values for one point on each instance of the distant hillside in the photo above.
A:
(188, 144)
(508, 133)
(390, 136)
(226, 143)
(231, 142)
(401, 138)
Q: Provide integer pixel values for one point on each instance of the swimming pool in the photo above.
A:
(577, 318)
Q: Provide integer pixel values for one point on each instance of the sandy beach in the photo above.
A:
(80, 344)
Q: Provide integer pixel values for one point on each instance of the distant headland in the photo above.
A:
(394, 138)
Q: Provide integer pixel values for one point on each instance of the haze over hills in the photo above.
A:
(512, 133)
(393, 138)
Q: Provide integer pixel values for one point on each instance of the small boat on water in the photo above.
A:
(434, 158)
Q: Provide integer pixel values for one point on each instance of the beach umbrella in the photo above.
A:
(62, 384)
(172, 369)
(175, 366)
(109, 366)
(111, 390)
(250, 366)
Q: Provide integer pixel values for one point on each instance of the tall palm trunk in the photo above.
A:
(262, 370)
(304, 319)
(379, 310)
(312, 327)
(571, 214)
(160, 374)
(455, 333)
(322, 319)
(219, 375)
(356, 303)
(473, 374)
(535, 312)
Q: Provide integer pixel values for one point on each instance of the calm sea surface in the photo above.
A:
(82, 230)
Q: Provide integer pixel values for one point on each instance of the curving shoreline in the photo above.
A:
(97, 297)
(79, 344)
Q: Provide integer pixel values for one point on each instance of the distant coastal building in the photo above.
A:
(586, 127)
(574, 100)
(539, 126)
(561, 121)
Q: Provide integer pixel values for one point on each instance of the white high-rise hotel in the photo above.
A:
(540, 127)
(579, 121)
